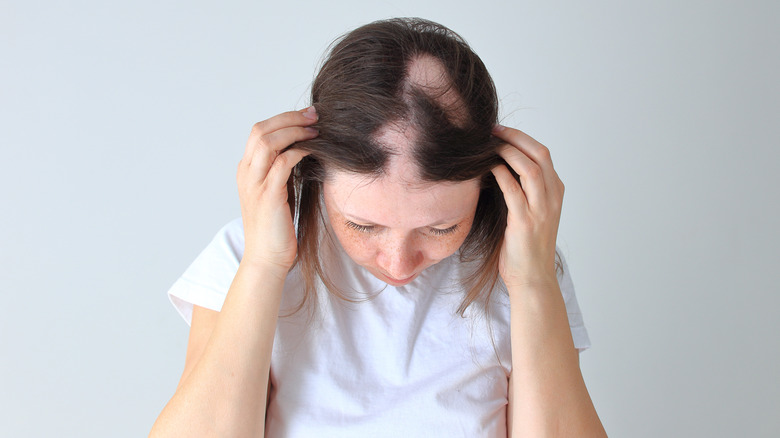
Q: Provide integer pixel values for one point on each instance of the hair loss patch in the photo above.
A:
(428, 74)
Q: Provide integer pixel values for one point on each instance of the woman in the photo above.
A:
(384, 222)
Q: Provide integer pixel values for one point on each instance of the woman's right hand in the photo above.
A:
(263, 174)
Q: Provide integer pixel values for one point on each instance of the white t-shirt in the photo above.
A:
(401, 364)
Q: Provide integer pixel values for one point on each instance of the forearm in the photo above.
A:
(225, 394)
(550, 397)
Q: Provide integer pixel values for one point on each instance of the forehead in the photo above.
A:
(399, 202)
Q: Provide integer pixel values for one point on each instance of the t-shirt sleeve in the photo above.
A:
(578, 331)
(207, 280)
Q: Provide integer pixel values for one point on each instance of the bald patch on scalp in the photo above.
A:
(427, 73)
(401, 168)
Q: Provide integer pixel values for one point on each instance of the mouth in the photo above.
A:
(397, 282)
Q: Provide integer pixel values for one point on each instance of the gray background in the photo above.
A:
(121, 125)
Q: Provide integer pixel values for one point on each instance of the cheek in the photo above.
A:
(441, 247)
(355, 244)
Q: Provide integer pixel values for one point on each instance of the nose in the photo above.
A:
(400, 258)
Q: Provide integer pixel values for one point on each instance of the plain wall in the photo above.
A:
(122, 123)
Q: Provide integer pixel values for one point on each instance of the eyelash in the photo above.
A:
(361, 228)
(440, 232)
(369, 228)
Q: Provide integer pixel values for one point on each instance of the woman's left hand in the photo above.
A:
(534, 210)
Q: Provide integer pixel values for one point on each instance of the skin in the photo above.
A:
(394, 231)
(396, 226)
(225, 381)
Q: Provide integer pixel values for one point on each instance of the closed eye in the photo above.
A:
(371, 228)
(441, 232)
(361, 228)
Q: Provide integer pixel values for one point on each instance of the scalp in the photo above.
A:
(425, 75)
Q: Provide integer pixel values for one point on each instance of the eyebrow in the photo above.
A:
(366, 221)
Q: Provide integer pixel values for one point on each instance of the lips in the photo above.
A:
(396, 281)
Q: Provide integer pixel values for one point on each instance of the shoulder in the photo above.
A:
(227, 243)
(232, 234)
(207, 279)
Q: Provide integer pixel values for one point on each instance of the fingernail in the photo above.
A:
(310, 113)
(498, 128)
(311, 130)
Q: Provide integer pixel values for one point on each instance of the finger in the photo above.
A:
(304, 117)
(269, 147)
(513, 194)
(282, 167)
(284, 137)
(531, 181)
(538, 152)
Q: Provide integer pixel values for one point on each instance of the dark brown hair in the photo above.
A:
(363, 87)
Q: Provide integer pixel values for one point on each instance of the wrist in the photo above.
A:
(264, 268)
(531, 281)
(533, 288)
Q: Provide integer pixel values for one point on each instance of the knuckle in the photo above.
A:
(243, 169)
(282, 160)
(534, 172)
(514, 186)
(260, 150)
(257, 129)
(544, 152)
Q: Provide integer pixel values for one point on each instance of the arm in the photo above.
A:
(224, 387)
(547, 393)
(546, 390)
(224, 391)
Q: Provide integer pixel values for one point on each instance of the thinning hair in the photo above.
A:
(369, 83)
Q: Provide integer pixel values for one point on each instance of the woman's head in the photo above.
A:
(406, 110)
